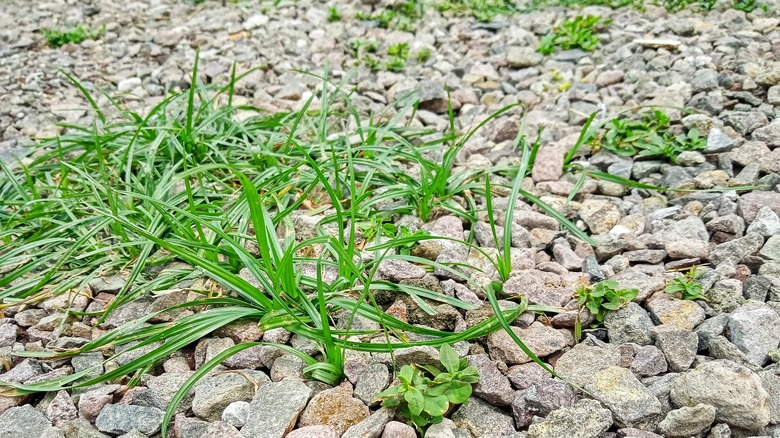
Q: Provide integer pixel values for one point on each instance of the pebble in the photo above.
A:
(274, 411)
(735, 391)
(586, 419)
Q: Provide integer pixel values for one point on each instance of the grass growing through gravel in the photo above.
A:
(578, 32)
(217, 186)
(76, 35)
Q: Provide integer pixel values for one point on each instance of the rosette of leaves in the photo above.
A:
(599, 299)
(426, 392)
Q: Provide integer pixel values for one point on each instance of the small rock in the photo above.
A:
(547, 396)
(335, 407)
(81, 428)
(635, 279)
(736, 250)
(586, 419)
(373, 380)
(629, 324)
(371, 426)
(213, 394)
(599, 215)
(755, 329)
(580, 364)
(236, 413)
(128, 84)
(766, 223)
(481, 418)
(771, 249)
(522, 57)
(221, 429)
(632, 405)
(687, 421)
(718, 142)
(492, 386)
(120, 419)
(750, 203)
(769, 134)
(22, 422)
(685, 315)
(649, 361)
(396, 429)
(318, 431)
(734, 391)
(679, 348)
(61, 409)
(539, 338)
(274, 411)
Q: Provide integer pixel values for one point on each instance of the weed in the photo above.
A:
(402, 17)
(372, 62)
(400, 50)
(423, 56)
(687, 286)
(398, 53)
(749, 5)
(679, 5)
(648, 136)
(571, 34)
(75, 35)
(426, 392)
(482, 10)
(333, 14)
(600, 299)
(396, 64)
(614, 4)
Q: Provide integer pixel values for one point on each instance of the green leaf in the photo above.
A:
(449, 358)
(458, 392)
(390, 392)
(414, 398)
(407, 374)
(438, 388)
(436, 406)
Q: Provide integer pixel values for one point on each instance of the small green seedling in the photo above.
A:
(749, 5)
(679, 5)
(600, 299)
(572, 34)
(333, 14)
(481, 10)
(399, 53)
(402, 17)
(426, 392)
(687, 286)
(423, 56)
(76, 35)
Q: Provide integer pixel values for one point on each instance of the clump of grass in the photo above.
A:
(679, 5)
(482, 10)
(402, 17)
(749, 5)
(76, 35)
(614, 4)
(191, 182)
(576, 33)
